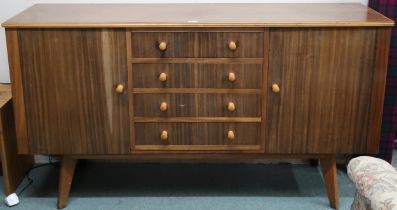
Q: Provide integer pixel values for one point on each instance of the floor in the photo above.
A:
(166, 186)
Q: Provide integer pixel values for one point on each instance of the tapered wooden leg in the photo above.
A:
(65, 180)
(328, 167)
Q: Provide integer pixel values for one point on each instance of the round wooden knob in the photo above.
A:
(119, 88)
(275, 88)
(230, 135)
(163, 106)
(232, 45)
(164, 135)
(162, 46)
(232, 77)
(231, 107)
(163, 77)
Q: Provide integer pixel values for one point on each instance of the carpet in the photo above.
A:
(174, 186)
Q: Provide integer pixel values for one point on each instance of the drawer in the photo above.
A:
(217, 44)
(147, 44)
(197, 136)
(197, 105)
(197, 44)
(197, 76)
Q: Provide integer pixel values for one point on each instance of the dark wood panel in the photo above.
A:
(325, 76)
(378, 90)
(197, 135)
(146, 44)
(216, 44)
(197, 105)
(197, 75)
(69, 79)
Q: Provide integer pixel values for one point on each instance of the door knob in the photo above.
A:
(119, 88)
(163, 106)
(164, 135)
(231, 107)
(163, 77)
(275, 88)
(230, 135)
(162, 46)
(232, 45)
(232, 77)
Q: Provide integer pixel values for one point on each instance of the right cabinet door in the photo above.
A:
(326, 79)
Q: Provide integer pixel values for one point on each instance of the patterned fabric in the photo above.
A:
(376, 183)
(389, 121)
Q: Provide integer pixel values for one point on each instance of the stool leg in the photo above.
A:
(65, 180)
(328, 167)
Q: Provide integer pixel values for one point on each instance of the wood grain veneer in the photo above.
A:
(215, 44)
(68, 79)
(199, 135)
(198, 15)
(17, 90)
(378, 90)
(310, 81)
(191, 75)
(325, 76)
(146, 44)
(197, 105)
(196, 44)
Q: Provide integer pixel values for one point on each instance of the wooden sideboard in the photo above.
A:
(205, 81)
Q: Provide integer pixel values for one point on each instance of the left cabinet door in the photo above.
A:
(64, 84)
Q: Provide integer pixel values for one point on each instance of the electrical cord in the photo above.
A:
(27, 175)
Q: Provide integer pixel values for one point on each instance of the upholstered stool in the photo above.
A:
(376, 183)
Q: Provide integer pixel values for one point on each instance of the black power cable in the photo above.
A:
(27, 175)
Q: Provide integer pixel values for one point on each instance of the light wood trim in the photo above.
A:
(197, 119)
(199, 155)
(195, 90)
(200, 29)
(200, 15)
(17, 90)
(265, 68)
(199, 60)
(130, 88)
(206, 25)
(378, 89)
(196, 147)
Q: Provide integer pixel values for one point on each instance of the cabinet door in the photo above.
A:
(68, 78)
(326, 77)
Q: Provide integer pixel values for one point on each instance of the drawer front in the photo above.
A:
(197, 105)
(197, 136)
(198, 76)
(217, 44)
(147, 44)
(197, 44)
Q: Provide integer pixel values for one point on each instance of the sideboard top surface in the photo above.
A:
(197, 15)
